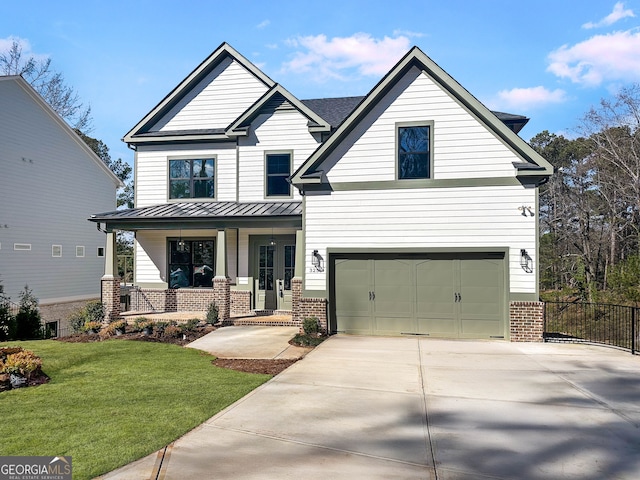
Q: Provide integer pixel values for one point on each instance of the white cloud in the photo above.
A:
(339, 57)
(408, 33)
(618, 13)
(602, 58)
(263, 24)
(527, 98)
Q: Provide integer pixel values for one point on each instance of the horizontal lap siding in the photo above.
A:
(49, 187)
(463, 148)
(220, 98)
(423, 218)
(152, 172)
(283, 131)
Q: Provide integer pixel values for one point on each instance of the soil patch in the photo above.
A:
(252, 365)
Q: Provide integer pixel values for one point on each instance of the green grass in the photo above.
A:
(109, 403)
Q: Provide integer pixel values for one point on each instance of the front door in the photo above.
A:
(274, 267)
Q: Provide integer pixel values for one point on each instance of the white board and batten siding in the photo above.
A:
(462, 147)
(49, 187)
(282, 131)
(221, 97)
(437, 218)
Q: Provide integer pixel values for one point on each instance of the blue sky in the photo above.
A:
(548, 59)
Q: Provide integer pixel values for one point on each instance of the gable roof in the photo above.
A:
(139, 133)
(48, 110)
(533, 164)
(273, 98)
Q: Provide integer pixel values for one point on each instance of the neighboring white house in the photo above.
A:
(50, 182)
(412, 210)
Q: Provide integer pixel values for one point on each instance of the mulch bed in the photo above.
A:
(250, 365)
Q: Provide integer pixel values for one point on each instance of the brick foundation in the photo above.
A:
(222, 297)
(240, 303)
(311, 307)
(526, 321)
(110, 295)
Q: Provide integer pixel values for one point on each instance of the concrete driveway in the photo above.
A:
(381, 408)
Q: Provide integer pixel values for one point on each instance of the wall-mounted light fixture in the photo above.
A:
(317, 261)
(526, 262)
(272, 240)
(526, 211)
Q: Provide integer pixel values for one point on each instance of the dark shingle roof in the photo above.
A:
(333, 110)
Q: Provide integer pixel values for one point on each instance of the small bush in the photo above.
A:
(212, 314)
(28, 322)
(23, 363)
(92, 312)
(173, 331)
(190, 324)
(142, 323)
(118, 325)
(91, 327)
(304, 340)
(311, 326)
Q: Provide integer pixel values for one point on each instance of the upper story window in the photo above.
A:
(192, 178)
(414, 151)
(278, 170)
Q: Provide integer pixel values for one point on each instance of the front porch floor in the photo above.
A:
(278, 318)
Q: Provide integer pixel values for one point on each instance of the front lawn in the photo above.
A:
(109, 403)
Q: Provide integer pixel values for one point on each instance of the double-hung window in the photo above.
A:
(278, 170)
(192, 178)
(415, 151)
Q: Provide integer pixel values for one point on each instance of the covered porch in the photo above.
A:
(247, 258)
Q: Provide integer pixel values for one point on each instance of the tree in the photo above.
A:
(48, 83)
(28, 321)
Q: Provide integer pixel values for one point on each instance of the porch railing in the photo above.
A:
(613, 325)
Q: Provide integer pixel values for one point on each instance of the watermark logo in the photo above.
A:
(35, 468)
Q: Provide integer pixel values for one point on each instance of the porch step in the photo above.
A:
(273, 320)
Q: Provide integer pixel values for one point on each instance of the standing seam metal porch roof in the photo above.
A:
(195, 212)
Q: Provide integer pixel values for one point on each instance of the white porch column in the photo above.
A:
(111, 259)
(221, 282)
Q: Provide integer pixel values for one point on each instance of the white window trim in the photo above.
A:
(53, 251)
(80, 248)
(24, 247)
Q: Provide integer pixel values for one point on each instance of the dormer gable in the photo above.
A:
(203, 105)
(277, 98)
(526, 161)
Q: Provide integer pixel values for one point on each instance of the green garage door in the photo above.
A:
(450, 296)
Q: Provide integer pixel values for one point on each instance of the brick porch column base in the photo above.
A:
(526, 321)
(296, 295)
(110, 296)
(222, 297)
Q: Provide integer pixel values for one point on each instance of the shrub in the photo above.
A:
(212, 313)
(92, 312)
(142, 323)
(23, 363)
(118, 325)
(91, 327)
(173, 331)
(311, 326)
(190, 324)
(28, 322)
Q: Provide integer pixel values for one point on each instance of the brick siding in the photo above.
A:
(526, 321)
(240, 303)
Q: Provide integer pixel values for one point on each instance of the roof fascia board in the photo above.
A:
(29, 90)
(181, 138)
(239, 126)
(415, 56)
(191, 80)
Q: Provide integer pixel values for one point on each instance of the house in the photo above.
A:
(412, 210)
(51, 181)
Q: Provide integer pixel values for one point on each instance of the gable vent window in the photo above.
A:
(79, 251)
(22, 246)
(56, 250)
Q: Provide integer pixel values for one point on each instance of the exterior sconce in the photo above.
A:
(181, 243)
(524, 209)
(526, 262)
(317, 261)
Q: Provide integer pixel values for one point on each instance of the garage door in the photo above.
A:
(439, 295)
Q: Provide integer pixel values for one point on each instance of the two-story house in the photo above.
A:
(412, 210)
(49, 183)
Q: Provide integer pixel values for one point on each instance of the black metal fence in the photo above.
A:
(613, 325)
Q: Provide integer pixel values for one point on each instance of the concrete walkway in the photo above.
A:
(381, 408)
(251, 342)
